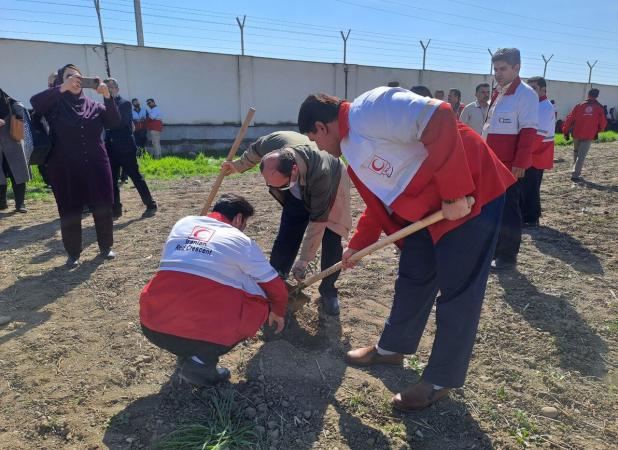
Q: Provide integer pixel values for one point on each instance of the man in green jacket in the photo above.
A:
(313, 188)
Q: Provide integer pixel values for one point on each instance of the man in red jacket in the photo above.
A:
(214, 288)
(510, 131)
(408, 157)
(587, 120)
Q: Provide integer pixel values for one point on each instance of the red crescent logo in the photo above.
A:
(377, 165)
(202, 234)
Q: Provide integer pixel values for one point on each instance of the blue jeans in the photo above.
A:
(294, 221)
(458, 267)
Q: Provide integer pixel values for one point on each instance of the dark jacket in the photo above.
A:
(319, 172)
(121, 138)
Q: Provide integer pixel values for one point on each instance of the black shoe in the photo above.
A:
(534, 224)
(201, 375)
(20, 209)
(72, 261)
(151, 210)
(3, 206)
(107, 253)
(502, 265)
(577, 179)
(117, 212)
(331, 305)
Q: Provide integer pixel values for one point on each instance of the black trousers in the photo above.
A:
(19, 190)
(125, 157)
(294, 221)
(208, 352)
(510, 230)
(531, 195)
(457, 266)
(141, 137)
(71, 229)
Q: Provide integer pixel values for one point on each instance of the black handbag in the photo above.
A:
(41, 140)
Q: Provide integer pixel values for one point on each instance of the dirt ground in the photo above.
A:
(76, 372)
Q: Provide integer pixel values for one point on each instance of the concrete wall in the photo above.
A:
(203, 96)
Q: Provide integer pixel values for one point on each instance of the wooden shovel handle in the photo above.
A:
(230, 156)
(406, 231)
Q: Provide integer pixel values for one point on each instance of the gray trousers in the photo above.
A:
(580, 150)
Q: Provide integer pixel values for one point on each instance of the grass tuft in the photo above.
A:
(223, 428)
(605, 136)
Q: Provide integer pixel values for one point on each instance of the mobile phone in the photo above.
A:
(90, 83)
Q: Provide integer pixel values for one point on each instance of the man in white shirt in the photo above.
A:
(155, 125)
(474, 114)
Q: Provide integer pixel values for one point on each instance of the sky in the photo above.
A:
(383, 32)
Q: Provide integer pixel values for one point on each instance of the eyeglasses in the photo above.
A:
(282, 187)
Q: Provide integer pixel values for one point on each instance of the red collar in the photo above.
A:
(511, 90)
(344, 119)
(220, 217)
(542, 97)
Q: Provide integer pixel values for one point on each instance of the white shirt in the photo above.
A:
(474, 116)
(509, 114)
(154, 113)
(547, 121)
(383, 145)
(141, 115)
(212, 249)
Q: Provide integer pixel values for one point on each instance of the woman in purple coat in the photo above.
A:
(78, 167)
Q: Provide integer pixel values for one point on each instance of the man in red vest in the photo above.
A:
(586, 120)
(510, 131)
(213, 289)
(408, 157)
(542, 155)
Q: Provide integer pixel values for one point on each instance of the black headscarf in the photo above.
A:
(72, 108)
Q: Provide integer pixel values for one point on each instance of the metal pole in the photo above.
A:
(491, 64)
(242, 34)
(345, 61)
(546, 62)
(98, 9)
(425, 46)
(137, 7)
(424, 51)
(590, 72)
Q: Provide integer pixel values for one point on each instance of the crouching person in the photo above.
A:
(214, 288)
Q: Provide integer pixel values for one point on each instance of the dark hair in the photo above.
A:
(150, 100)
(511, 56)
(421, 90)
(594, 93)
(317, 108)
(482, 85)
(540, 81)
(134, 100)
(438, 90)
(285, 161)
(457, 92)
(231, 204)
(60, 75)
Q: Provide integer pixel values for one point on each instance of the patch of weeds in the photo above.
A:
(525, 432)
(501, 394)
(395, 430)
(414, 363)
(357, 401)
(224, 427)
(612, 326)
(119, 420)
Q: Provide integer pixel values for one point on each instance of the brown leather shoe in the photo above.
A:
(418, 396)
(369, 356)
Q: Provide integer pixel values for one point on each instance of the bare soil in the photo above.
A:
(76, 372)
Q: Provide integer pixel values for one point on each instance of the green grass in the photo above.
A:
(605, 136)
(166, 168)
(223, 428)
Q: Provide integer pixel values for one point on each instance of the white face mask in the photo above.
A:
(290, 186)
